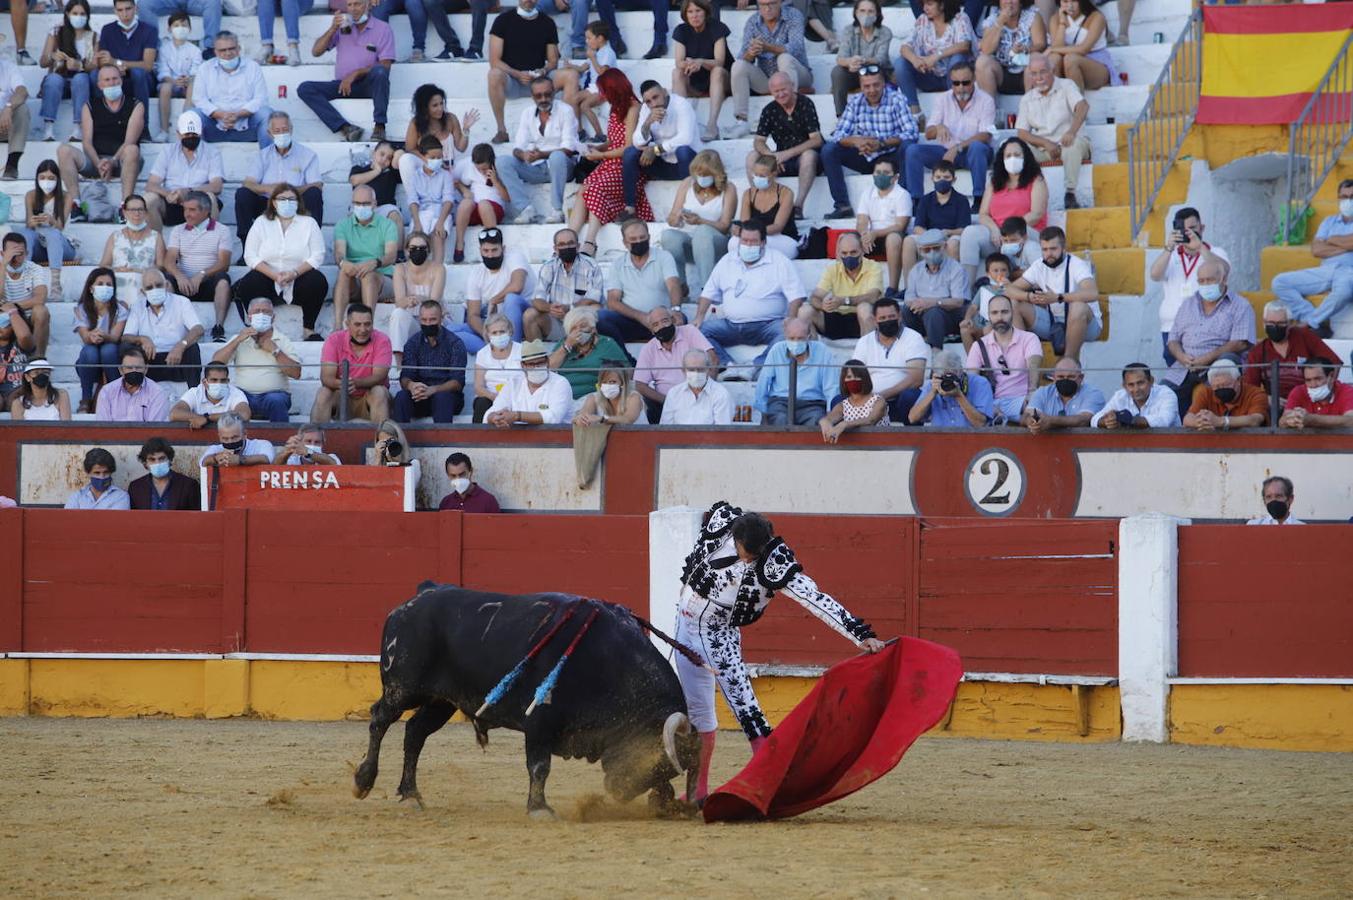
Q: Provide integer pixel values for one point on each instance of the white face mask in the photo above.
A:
(527, 13)
(47, 185)
(1346, 207)
(155, 296)
(282, 141)
(1320, 393)
(704, 180)
(538, 375)
(610, 391)
(500, 340)
(696, 379)
(260, 321)
(217, 391)
(78, 22)
(460, 485)
(1013, 164)
(180, 32)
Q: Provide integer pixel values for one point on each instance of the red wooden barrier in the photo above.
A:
(1265, 602)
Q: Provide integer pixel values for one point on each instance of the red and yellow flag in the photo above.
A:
(1262, 63)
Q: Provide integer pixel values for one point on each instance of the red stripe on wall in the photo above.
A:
(1281, 19)
(1282, 109)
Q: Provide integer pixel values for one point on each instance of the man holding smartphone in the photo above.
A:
(1177, 268)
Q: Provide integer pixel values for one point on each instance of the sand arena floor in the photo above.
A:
(264, 809)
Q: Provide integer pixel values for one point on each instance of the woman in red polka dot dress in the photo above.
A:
(602, 199)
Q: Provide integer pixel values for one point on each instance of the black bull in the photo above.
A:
(617, 700)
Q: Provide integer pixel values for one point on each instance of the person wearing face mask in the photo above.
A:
(544, 150)
(896, 356)
(539, 397)
(234, 447)
(568, 280)
(45, 212)
(881, 218)
(111, 128)
(858, 406)
(943, 208)
(659, 370)
(815, 380)
(1015, 186)
(16, 342)
(496, 365)
(959, 130)
(214, 397)
(306, 448)
(1011, 31)
(284, 251)
(163, 487)
(185, 167)
(1278, 495)
(282, 162)
(877, 123)
(1066, 403)
(432, 377)
(499, 285)
(368, 356)
(431, 193)
(1211, 324)
(365, 52)
(176, 64)
(1289, 346)
(614, 402)
(151, 11)
(864, 42)
(1321, 400)
(1225, 403)
(698, 399)
(700, 218)
(1333, 246)
(230, 95)
(197, 258)
(130, 46)
(132, 397)
(166, 327)
(38, 400)
(642, 279)
(134, 247)
(99, 321)
(265, 361)
(772, 204)
(365, 247)
(25, 294)
(67, 55)
(937, 291)
(842, 304)
(420, 277)
(1051, 122)
(582, 352)
(467, 495)
(100, 492)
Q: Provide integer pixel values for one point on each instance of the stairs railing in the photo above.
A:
(1154, 142)
(1318, 137)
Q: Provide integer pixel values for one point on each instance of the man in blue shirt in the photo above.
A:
(1066, 403)
(131, 45)
(1333, 246)
(281, 162)
(815, 384)
(432, 378)
(953, 398)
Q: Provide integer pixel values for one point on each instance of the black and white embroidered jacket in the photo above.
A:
(714, 571)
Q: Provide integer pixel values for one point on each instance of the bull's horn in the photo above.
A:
(677, 723)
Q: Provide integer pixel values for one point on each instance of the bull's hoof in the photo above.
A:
(363, 780)
(542, 814)
(360, 792)
(415, 797)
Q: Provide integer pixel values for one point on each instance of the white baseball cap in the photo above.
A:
(189, 122)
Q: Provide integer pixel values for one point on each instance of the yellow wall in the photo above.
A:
(1263, 716)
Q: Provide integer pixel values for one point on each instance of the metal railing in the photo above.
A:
(1317, 139)
(1154, 142)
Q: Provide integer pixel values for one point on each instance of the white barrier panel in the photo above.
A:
(1148, 623)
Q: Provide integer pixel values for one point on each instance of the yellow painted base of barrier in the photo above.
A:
(1263, 716)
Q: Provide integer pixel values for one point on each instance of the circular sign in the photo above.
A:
(994, 482)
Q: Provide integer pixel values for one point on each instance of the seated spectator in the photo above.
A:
(45, 212)
(522, 45)
(366, 51)
(1322, 400)
(858, 407)
(1225, 402)
(937, 291)
(111, 126)
(976, 322)
(1290, 347)
(368, 355)
(167, 328)
(391, 448)
(661, 360)
(213, 398)
(614, 402)
(815, 379)
(567, 280)
(365, 247)
(594, 55)
(755, 290)
(265, 361)
(1066, 403)
(230, 95)
(876, 124)
(1140, 403)
(162, 488)
(384, 178)
(183, 167)
(419, 277)
(306, 448)
(959, 131)
(485, 198)
(602, 198)
(132, 397)
(134, 247)
(1177, 268)
(881, 216)
(864, 42)
(942, 39)
(1012, 32)
(953, 398)
(1009, 358)
(1079, 48)
(942, 208)
(26, 290)
(197, 258)
(642, 279)
(467, 495)
(99, 320)
(1015, 187)
(431, 118)
(499, 285)
(702, 59)
(150, 11)
(16, 342)
(432, 377)
(667, 139)
(818, 22)
(130, 47)
(1278, 496)
(1051, 119)
(67, 55)
(700, 218)
(1017, 247)
(1333, 246)
(431, 192)
(234, 447)
(896, 357)
(842, 304)
(37, 400)
(544, 149)
(1211, 324)
(100, 493)
(496, 364)
(772, 204)
(176, 64)
(791, 122)
(284, 252)
(539, 397)
(1059, 298)
(282, 161)
(772, 40)
(698, 399)
(579, 356)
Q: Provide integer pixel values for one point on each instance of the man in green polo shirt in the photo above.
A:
(365, 245)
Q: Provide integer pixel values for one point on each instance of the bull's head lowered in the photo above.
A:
(646, 766)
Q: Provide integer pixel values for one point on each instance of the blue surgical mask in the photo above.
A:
(4, 320)
(230, 65)
(704, 180)
(112, 92)
(160, 469)
(1210, 292)
(282, 141)
(286, 208)
(363, 213)
(138, 226)
(749, 253)
(103, 292)
(362, 20)
(155, 296)
(78, 22)
(1346, 207)
(527, 13)
(1011, 250)
(101, 482)
(796, 348)
(760, 182)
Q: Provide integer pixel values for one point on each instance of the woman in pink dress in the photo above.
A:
(602, 199)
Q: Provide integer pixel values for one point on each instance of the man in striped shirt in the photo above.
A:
(26, 288)
(197, 256)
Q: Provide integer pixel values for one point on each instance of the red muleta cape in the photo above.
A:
(850, 730)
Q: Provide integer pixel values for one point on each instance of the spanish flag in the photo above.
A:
(1262, 63)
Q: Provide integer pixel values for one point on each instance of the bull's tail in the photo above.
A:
(676, 645)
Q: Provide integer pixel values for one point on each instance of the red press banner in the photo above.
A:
(358, 488)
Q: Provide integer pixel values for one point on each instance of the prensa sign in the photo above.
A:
(357, 488)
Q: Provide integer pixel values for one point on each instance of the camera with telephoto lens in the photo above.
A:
(948, 382)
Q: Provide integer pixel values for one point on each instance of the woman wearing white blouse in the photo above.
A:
(496, 365)
(284, 251)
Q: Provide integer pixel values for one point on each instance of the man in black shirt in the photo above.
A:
(790, 120)
(523, 44)
(943, 208)
(112, 125)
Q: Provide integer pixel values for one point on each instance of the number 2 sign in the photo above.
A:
(994, 483)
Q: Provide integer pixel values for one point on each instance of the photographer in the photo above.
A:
(1177, 268)
(953, 399)
(391, 448)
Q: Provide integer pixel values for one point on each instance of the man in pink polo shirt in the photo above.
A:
(366, 50)
(659, 368)
(1010, 357)
(367, 352)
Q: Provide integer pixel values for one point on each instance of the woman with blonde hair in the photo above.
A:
(614, 402)
(392, 449)
(702, 212)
